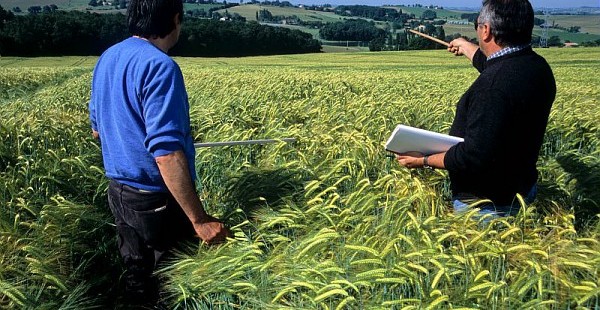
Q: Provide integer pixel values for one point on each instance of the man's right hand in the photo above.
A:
(461, 47)
(211, 231)
(174, 170)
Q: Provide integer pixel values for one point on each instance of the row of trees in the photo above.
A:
(351, 30)
(204, 37)
(213, 12)
(591, 43)
(278, 3)
(61, 33)
(379, 39)
(83, 33)
(373, 12)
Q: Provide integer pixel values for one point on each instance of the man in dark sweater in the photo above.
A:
(502, 116)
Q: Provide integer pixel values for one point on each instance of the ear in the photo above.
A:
(486, 33)
(176, 19)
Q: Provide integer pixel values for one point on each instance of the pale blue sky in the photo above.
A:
(456, 3)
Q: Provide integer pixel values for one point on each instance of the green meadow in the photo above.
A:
(327, 222)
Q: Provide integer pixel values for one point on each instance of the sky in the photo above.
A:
(456, 3)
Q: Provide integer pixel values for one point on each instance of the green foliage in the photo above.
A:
(429, 14)
(326, 222)
(352, 29)
(77, 33)
(373, 12)
(215, 38)
(61, 33)
(49, 175)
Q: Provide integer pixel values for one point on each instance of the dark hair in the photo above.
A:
(511, 21)
(153, 18)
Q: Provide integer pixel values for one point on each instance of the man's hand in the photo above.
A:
(211, 230)
(95, 134)
(461, 47)
(174, 170)
(410, 159)
(416, 160)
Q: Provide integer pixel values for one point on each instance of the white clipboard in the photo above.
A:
(410, 139)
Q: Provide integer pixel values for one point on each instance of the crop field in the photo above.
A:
(327, 222)
(588, 24)
(62, 4)
(249, 12)
(441, 13)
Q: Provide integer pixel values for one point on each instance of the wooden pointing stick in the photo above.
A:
(430, 38)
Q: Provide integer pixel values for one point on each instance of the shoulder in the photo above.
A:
(160, 68)
(151, 63)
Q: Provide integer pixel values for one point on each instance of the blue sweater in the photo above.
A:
(140, 107)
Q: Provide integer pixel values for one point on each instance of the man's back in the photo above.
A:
(139, 106)
(503, 118)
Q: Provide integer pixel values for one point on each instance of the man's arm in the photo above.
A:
(417, 160)
(174, 170)
(460, 47)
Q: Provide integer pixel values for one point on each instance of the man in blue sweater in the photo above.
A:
(502, 116)
(139, 110)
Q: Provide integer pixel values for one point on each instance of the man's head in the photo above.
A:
(154, 18)
(510, 21)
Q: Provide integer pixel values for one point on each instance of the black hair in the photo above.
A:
(153, 18)
(511, 21)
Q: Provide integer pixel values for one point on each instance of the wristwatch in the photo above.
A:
(426, 162)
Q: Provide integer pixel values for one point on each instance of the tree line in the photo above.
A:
(63, 33)
(209, 37)
(389, 38)
(373, 12)
(351, 30)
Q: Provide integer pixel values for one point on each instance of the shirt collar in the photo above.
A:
(507, 50)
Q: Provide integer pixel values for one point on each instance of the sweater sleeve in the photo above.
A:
(487, 120)
(164, 109)
(92, 109)
(479, 60)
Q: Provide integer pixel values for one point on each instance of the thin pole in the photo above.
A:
(430, 38)
(245, 142)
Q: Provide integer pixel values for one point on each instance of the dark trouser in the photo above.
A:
(461, 204)
(148, 225)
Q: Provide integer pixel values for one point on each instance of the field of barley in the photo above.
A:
(327, 222)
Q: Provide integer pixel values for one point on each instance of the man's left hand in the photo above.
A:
(410, 159)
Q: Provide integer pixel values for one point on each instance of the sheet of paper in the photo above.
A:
(410, 139)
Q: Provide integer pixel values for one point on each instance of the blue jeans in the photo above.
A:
(461, 206)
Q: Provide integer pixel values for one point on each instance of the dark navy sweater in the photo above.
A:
(140, 107)
(502, 117)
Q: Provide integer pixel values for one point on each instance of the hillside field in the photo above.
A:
(327, 222)
(62, 4)
(441, 13)
(249, 12)
(590, 24)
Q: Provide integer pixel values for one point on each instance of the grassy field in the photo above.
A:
(441, 13)
(590, 30)
(249, 12)
(62, 4)
(82, 5)
(589, 24)
(327, 222)
(193, 6)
